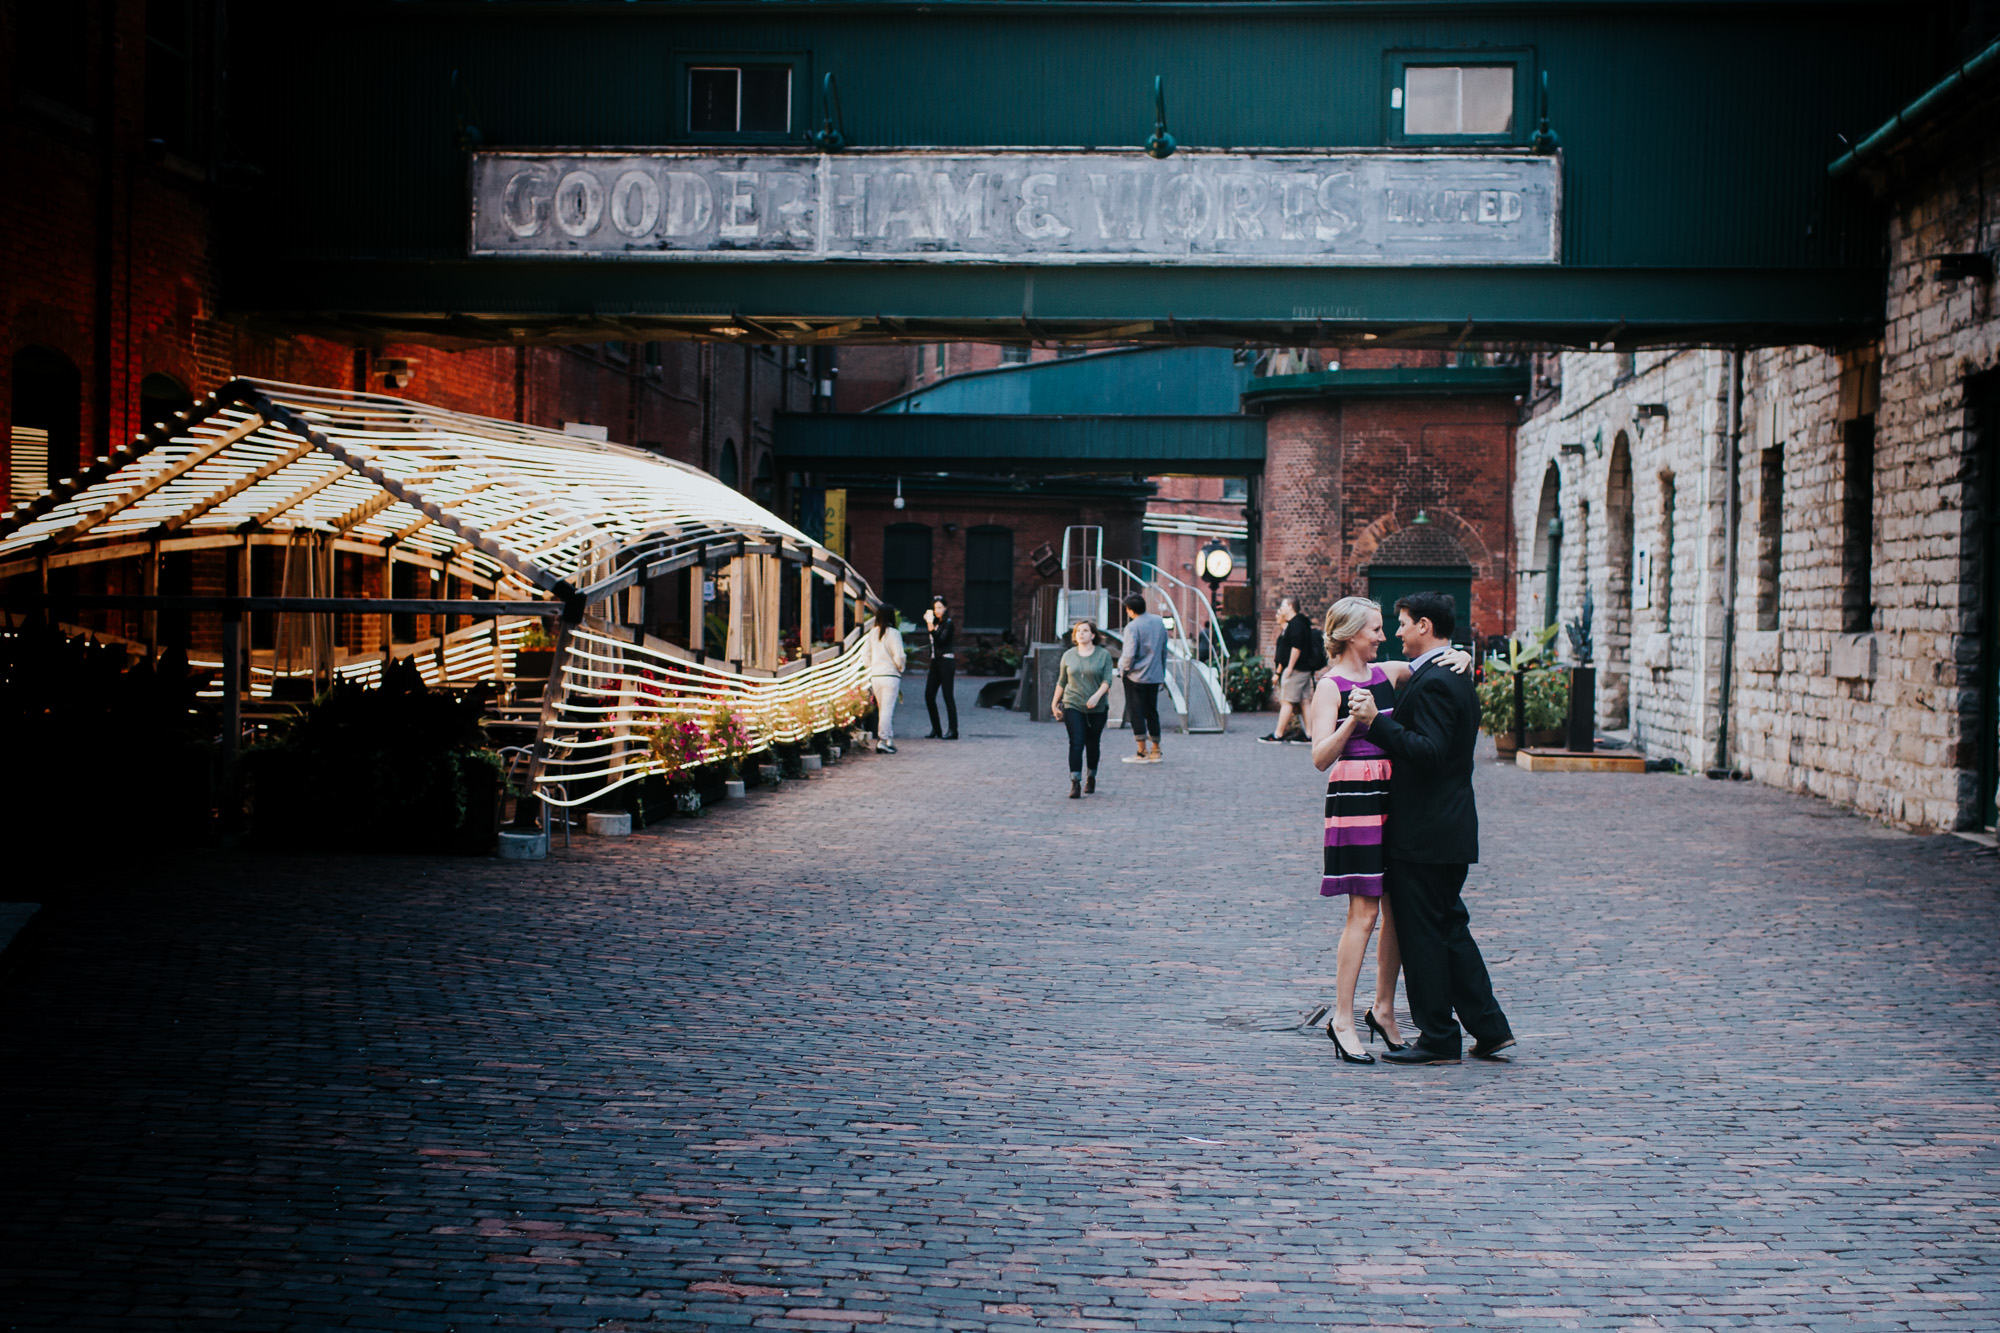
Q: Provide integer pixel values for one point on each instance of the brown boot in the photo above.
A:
(1153, 752)
(1075, 790)
(1090, 782)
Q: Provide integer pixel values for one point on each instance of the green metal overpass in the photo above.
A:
(507, 172)
(1148, 411)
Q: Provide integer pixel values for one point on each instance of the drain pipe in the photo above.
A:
(1731, 520)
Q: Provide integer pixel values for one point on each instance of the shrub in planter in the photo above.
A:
(1247, 681)
(1545, 688)
(393, 768)
(98, 736)
(1545, 694)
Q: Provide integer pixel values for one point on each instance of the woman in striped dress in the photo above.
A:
(1357, 807)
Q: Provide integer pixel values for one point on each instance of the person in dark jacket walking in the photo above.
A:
(944, 667)
(1432, 839)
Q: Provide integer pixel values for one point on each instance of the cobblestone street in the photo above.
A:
(921, 1043)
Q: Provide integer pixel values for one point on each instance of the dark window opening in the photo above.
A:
(160, 396)
(1857, 593)
(989, 579)
(1663, 569)
(1770, 533)
(407, 581)
(740, 99)
(170, 74)
(906, 567)
(764, 486)
(1236, 488)
(1013, 355)
(727, 470)
(48, 49)
(44, 446)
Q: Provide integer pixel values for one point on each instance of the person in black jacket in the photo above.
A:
(944, 666)
(1432, 839)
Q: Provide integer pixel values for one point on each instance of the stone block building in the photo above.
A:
(1789, 551)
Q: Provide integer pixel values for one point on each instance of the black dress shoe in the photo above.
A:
(1490, 1050)
(934, 735)
(951, 735)
(1414, 1054)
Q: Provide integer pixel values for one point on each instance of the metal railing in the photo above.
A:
(1092, 586)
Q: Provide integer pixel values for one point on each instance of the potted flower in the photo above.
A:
(729, 741)
(679, 744)
(534, 656)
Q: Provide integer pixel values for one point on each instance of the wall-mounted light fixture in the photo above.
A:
(898, 502)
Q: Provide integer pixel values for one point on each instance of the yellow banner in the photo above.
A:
(836, 522)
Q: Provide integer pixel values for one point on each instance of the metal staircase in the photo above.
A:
(1095, 588)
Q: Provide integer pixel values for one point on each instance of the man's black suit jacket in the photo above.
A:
(1430, 738)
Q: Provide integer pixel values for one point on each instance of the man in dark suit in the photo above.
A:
(1432, 839)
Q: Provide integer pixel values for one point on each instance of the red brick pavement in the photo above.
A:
(921, 1043)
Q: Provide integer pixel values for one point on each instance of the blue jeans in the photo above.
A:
(1085, 731)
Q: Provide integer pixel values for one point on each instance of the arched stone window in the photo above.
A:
(1615, 632)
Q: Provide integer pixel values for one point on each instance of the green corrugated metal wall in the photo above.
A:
(1695, 134)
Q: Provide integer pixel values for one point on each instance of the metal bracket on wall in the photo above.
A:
(1162, 144)
(831, 135)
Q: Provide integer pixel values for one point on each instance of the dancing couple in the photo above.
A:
(1395, 741)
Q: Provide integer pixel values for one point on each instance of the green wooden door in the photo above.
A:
(1388, 582)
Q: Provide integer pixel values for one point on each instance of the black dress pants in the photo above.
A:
(1143, 702)
(940, 678)
(1442, 967)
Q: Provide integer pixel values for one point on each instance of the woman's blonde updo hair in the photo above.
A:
(1347, 618)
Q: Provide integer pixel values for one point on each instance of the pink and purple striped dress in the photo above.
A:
(1357, 801)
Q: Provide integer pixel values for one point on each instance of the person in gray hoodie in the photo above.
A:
(1143, 664)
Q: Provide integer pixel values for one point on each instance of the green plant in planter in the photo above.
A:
(1246, 679)
(93, 728)
(536, 640)
(393, 768)
(1545, 688)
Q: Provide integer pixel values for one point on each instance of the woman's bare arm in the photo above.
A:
(1329, 741)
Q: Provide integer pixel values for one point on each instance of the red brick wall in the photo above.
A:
(1343, 475)
(1034, 519)
(109, 259)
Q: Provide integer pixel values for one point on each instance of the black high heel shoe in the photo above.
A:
(1362, 1059)
(1376, 1030)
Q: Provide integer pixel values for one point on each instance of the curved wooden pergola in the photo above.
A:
(503, 526)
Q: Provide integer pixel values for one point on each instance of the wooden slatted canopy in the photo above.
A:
(536, 515)
(549, 525)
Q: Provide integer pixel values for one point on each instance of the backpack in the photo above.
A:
(1312, 653)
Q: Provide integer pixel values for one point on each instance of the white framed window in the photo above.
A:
(1458, 99)
(739, 99)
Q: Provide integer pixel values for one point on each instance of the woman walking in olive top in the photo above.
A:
(1082, 703)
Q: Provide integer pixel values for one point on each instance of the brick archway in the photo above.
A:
(1446, 523)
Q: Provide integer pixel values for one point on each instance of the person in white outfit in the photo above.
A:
(886, 660)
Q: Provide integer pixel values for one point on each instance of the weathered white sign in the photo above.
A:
(1394, 209)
